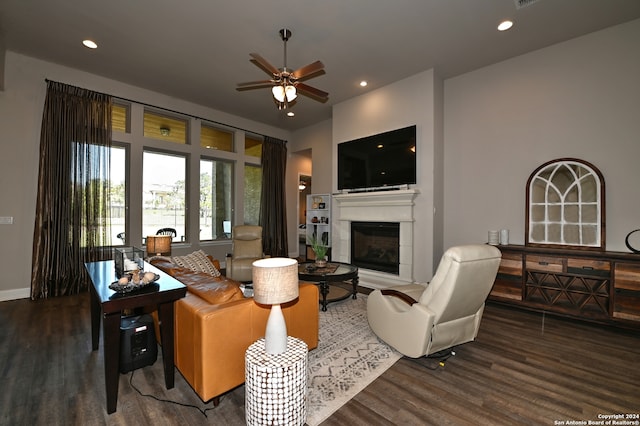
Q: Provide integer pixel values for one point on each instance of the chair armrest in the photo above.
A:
(400, 295)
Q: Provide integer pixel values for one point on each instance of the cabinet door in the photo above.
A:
(508, 284)
(626, 303)
(571, 286)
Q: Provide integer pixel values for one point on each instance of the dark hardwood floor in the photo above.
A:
(524, 368)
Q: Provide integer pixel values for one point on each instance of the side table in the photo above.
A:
(108, 305)
(276, 384)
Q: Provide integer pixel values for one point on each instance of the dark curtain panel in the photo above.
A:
(273, 214)
(72, 209)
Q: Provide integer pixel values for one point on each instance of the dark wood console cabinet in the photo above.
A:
(597, 286)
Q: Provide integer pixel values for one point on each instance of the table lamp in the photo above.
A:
(275, 281)
(159, 245)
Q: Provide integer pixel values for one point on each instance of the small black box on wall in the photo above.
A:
(138, 346)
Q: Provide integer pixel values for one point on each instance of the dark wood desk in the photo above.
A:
(110, 304)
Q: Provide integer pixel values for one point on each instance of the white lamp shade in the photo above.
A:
(278, 93)
(275, 280)
(291, 93)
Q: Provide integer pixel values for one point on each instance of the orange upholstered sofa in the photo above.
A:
(215, 324)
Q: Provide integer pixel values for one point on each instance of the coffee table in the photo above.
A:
(332, 273)
(110, 304)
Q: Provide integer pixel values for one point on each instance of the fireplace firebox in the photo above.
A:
(376, 246)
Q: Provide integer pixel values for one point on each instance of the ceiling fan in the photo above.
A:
(286, 84)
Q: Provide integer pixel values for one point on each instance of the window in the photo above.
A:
(216, 199)
(120, 118)
(253, 146)
(164, 193)
(162, 127)
(217, 139)
(151, 169)
(252, 191)
(118, 194)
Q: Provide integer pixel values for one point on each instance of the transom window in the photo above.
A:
(253, 146)
(213, 138)
(163, 127)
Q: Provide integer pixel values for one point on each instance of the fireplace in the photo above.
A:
(376, 246)
(376, 207)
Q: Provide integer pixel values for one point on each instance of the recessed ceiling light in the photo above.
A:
(505, 25)
(363, 83)
(291, 114)
(90, 44)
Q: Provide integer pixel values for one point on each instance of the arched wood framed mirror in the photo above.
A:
(566, 206)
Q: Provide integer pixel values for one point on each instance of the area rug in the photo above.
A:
(349, 357)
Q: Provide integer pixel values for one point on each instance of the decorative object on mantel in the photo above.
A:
(320, 251)
(275, 281)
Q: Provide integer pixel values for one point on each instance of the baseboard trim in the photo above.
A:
(13, 294)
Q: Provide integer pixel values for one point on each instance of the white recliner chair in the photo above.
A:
(421, 319)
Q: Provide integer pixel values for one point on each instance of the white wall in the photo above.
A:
(21, 105)
(404, 103)
(579, 99)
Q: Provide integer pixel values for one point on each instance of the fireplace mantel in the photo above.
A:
(380, 206)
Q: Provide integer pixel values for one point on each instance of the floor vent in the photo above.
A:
(524, 3)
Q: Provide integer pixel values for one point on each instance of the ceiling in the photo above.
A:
(197, 50)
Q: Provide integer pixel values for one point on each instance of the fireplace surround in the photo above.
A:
(383, 206)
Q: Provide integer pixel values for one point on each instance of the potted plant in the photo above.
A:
(320, 250)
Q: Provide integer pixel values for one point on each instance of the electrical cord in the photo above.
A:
(443, 355)
(203, 411)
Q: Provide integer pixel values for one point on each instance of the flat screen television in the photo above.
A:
(384, 160)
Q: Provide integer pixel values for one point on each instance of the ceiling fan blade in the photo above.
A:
(312, 92)
(256, 83)
(257, 86)
(307, 70)
(264, 64)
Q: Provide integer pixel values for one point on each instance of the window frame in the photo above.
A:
(551, 168)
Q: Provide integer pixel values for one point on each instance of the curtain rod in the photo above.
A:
(169, 110)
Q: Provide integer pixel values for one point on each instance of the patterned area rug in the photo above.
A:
(349, 356)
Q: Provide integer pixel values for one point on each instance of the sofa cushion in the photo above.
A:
(197, 261)
(215, 290)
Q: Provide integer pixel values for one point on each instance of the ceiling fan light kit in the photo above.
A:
(286, 84)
